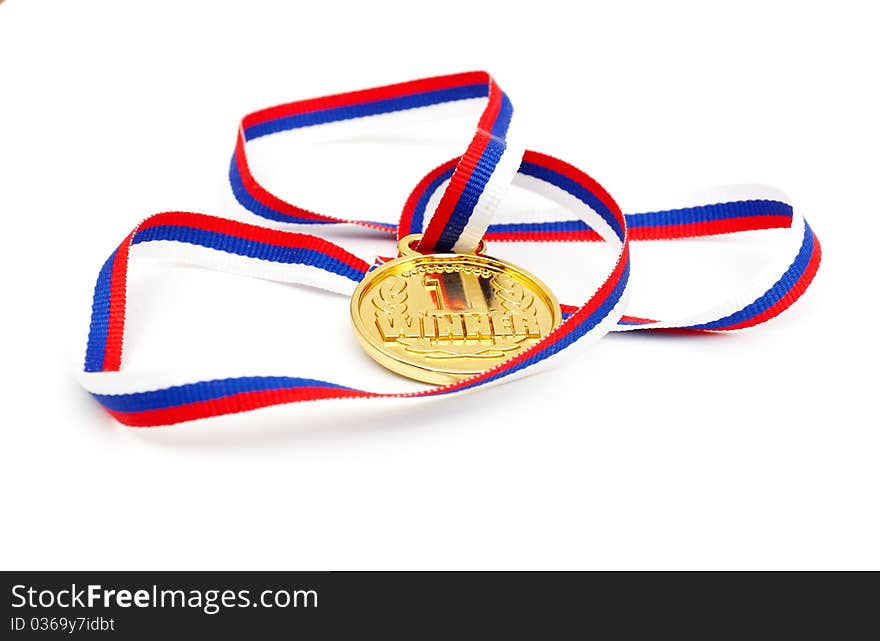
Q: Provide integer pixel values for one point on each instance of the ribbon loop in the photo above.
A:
(475, 187)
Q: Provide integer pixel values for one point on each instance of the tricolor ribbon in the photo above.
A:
(452, 206)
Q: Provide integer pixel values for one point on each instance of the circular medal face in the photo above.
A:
(439, 318)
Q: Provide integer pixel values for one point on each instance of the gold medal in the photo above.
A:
(439, 318)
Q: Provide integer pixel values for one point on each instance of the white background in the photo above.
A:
(753, 450)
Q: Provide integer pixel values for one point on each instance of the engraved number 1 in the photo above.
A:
(434, 287)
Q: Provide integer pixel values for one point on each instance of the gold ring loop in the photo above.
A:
(406, 246)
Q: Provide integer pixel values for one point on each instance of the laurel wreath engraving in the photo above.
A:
(391, 298)
(515, 298)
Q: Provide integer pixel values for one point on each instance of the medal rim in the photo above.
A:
(426, 373)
